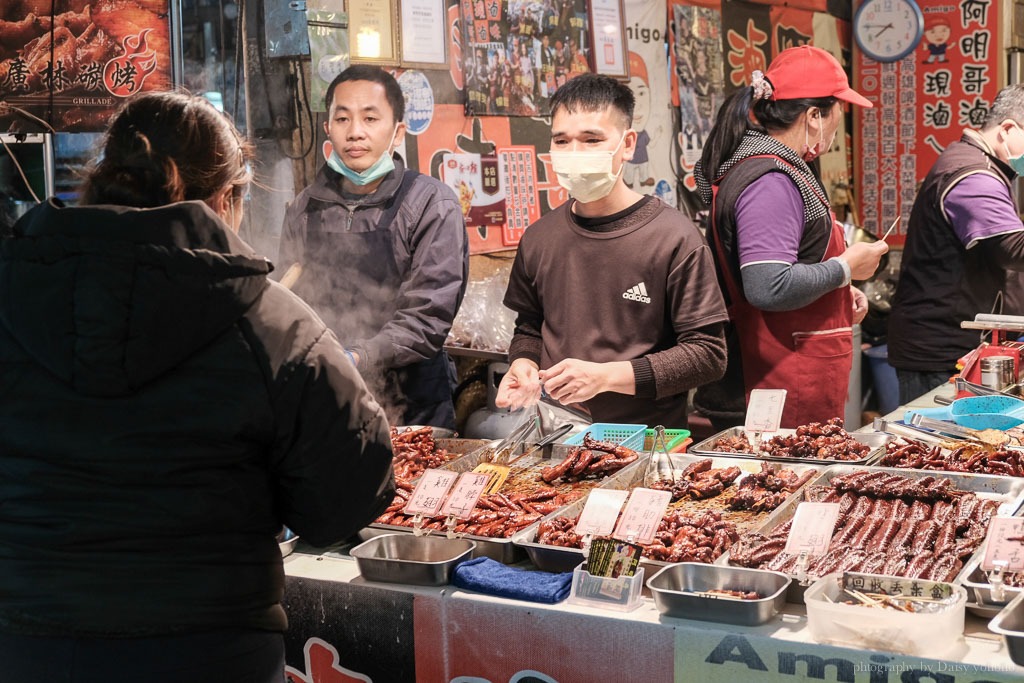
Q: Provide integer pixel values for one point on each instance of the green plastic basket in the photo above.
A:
(674, 438)
(630, 436)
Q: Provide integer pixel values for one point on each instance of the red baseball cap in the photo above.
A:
(808, 71)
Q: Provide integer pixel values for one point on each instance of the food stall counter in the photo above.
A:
(343, 625)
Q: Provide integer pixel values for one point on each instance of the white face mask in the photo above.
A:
(587, 174)
(819, 148)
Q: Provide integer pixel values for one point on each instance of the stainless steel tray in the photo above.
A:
(677, 589)
(1008, 490)
(1009, 623)
(504, 549)
(554, 558)
(876, 440)
(979, 589)
(416, 560)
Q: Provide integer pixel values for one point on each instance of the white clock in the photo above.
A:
(888, 30)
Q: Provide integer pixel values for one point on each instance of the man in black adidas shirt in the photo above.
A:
(617, 300)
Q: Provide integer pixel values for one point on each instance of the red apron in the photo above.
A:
(807, 351)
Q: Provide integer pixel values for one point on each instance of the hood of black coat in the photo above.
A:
(109, 298)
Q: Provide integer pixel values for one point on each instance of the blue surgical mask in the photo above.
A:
(379, 169)
(1017, 162)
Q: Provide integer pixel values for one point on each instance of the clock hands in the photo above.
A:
(883, 29)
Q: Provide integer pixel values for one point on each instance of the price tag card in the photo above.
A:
(429, 493)
(764, 412)
(812, 528)
(1004, 543)
(643, 513)
(600, 512)
(465, 494)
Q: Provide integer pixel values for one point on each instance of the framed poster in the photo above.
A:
(372, 37)
(422, 23)
(608, 38)
(519, 53)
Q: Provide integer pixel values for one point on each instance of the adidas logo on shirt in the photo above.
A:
(637, 293)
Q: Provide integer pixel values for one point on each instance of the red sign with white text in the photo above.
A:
(922, 104)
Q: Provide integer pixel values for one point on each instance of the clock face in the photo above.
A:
(888, 30)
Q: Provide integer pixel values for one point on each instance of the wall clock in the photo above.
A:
(888, 30)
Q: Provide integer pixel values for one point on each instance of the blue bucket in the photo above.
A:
(883, 375)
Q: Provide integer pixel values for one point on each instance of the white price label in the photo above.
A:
(812, 528)
(465, 494)
(764, 412)
(643, 513)
(430, 492)
(1004, 542)
(600, 512)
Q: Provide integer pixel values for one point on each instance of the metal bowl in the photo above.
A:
(677, 591)
(286, 540)
(405, 558)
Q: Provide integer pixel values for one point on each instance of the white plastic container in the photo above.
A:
(621, 594)
(926, 634)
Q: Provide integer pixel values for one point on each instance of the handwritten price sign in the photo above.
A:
(643, 513)
(812, 528)
(764, 412)
(1002, 544)
(600, 512)
(430, 492)
(465, 494)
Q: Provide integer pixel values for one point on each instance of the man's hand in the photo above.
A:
(863, 258)
(860, 305)
(574, 381)
(520, 386)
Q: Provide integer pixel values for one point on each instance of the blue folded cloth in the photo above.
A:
(484, 575)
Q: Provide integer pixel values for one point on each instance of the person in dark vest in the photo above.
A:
(781, 256)
(964, 251)
(381, 251)
(615, 293)
(166, 409)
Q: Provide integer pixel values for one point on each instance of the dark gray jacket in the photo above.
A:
(164, 409)
(386, 272)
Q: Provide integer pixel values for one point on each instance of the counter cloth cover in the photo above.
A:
(488, 576)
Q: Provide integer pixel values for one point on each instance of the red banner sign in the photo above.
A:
(922, 104)
(70, 62)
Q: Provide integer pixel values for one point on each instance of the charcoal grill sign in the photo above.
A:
(72, 62)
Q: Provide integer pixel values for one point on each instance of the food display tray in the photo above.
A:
(1008, 490)
(555, 558)
(876, 440)
(979, 590)
(524, 473)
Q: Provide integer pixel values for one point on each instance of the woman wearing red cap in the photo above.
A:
(781, 256)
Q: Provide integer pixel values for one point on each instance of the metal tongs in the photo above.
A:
(908, 432)
(554, 436)
(660, 466)
(503, 448)
(955, 431)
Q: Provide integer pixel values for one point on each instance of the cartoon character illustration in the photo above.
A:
(936, 39)
(637, 171)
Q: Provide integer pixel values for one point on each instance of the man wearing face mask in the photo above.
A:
(964, 249)
(781, 256)
(380, 251)
(617, 303)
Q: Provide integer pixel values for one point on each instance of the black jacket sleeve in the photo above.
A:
(331, 460)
